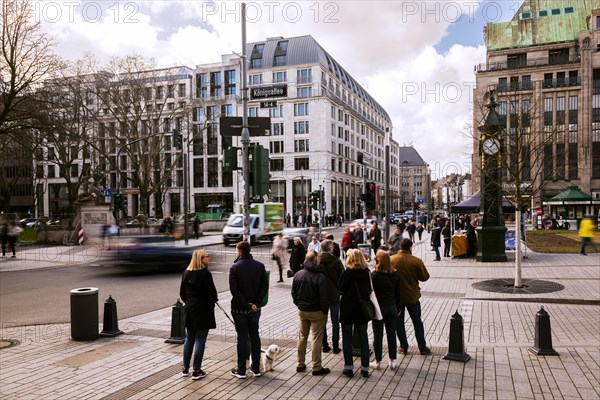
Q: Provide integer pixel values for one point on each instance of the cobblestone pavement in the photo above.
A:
(43, 361)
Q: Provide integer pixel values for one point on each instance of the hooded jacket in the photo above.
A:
(309, 289)
(332, 268)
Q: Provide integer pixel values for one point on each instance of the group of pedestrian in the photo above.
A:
(321, 287)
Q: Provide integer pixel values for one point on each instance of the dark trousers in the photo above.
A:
(347, 346)
(447, 247)
(437, 252)
(334, 310)
(390, 318)
(414, 311)
(246, 327)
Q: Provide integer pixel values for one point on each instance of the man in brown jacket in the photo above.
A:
(411, 271)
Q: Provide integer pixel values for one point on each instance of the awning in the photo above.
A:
(471, 205)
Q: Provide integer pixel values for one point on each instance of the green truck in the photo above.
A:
(266, 221)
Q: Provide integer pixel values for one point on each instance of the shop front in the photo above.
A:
(567, 209)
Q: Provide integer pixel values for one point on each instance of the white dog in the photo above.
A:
(267, 357)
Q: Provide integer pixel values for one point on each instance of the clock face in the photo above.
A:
(491, 146)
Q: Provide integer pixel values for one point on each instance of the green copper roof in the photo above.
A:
(540, 22)
(572, 194)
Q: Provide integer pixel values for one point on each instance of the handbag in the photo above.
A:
(378, 316)
(367, 309)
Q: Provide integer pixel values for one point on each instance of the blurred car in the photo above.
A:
(290, 233)
(36, 223)
(360, 222)
(53, 221)
(159, 251)
(23, 222)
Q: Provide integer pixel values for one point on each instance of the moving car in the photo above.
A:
(360, 222)
(163, 252)
(290, 233)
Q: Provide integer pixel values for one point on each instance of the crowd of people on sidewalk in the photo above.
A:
(322, 287)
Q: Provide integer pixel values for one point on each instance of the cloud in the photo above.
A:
(387, 46)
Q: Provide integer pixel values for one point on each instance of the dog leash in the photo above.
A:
(227, 315)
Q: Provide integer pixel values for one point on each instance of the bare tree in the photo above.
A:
(26, 59)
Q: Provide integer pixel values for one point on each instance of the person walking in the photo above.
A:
(586, 232)
(386, 285)
(336, 247)
(310, 294)
(375, 237)
(199, 294)
(347, 242)
(447, 235)
(435, 240)
(357, 237)
(355, 284)
(394, 240)
(411, 271)
(197, 223)
(411, 229)
(4, 236)
(331, 266)
(472, 238)
(297, 255)
(278, 252)
(420, 230)
(12, 235)
(248, 285)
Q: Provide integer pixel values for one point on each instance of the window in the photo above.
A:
(560, 110)
(255, 79)
(558, 56)
(301, 145)
(181, 90)
(303, 76)
(276, 164)
(300, 109)
(253, 111)
(573, 78)
(276, 112)
(279, 76)
(211, 112)
(74, 170)
(256, 56)
(303, 91)
(301, 163)
(213, 174)
(280, 57)
(301, 127)
(171, 91)
(277, 129)
(160, 92)
(573, 108)
(516, 60)
(276, 146)
(212, 139)
(230, 83)
(560, 79)
(569, 10)
(202, 86)
(547, 83)
(556, 11)
(215, 84)
(543, 13)
(227, 110)
(526, 82)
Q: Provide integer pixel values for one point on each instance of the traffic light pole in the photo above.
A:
(245, 132)
(364, 204)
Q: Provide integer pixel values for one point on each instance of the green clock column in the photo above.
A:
(491, 230)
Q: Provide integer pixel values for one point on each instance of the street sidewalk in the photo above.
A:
(498, 330)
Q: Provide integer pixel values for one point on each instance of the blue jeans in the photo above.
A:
(246, 327)
(193, 338)
(414, 310)
(390, 317)
(347, 346)
(334, 310)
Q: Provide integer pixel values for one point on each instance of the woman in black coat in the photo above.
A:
(354, 284)
(199, 293)
(436, 240)
(297, 255)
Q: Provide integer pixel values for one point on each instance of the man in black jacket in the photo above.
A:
(248, 285)
(332, 267)
(311, 295)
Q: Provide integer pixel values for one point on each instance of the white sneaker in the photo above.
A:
(375, 365)
(393, 364)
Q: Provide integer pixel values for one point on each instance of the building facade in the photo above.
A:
(321, 118)
(543, 67)
(415, 180)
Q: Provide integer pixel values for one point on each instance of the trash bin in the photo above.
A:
(366, 250)
(84, 313)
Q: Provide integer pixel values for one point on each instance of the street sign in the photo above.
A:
(267, 92)
(268, 104)
(107, 199)
(232, 126)
(107, 192)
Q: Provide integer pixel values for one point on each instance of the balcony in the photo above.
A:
(545, 84)
(537, 62)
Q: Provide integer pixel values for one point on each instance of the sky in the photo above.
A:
(415, 58)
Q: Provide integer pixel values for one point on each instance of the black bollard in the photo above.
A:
(177, 324)
(110, 327)
(456, 345)
(543, 335)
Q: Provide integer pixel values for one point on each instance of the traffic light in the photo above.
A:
(315, 197)
(230, 159)
(370, 195)
(124, 203)
(176, 139)
(117, 201)
(260, 171)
